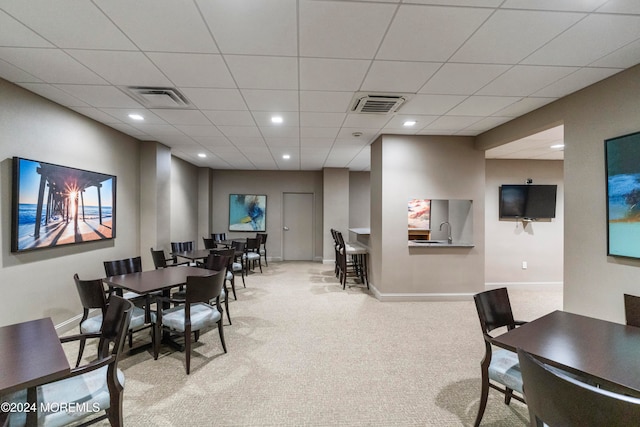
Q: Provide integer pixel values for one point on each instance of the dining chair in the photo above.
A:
(208, 243)
(181, 247)
(219, 262)
(160, 260)
(555, 399)
(218, 237)
(97, 386)
(499, 368)
(252, 254)
(632, 310)
(230, 277)
(238, 261)
(93, 297)
(194, 315)
(263, 246)
(124, 266)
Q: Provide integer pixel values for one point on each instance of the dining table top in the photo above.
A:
(30, 354)
(146, 282)
(193, 255)
(608, 351)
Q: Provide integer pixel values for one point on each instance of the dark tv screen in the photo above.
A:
(528, 201)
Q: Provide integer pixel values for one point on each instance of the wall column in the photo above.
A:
(335, 204)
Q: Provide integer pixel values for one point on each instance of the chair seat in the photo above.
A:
(202, 315)
(505, 369)
(251, 256)
(93, 324)
(237, 266)
(88, 391)
(229, 276)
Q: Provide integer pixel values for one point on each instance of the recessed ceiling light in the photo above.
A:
(276, 119)
(558, 146)
(286, 156)
(409, 123)
(136, 117)
(202, 155)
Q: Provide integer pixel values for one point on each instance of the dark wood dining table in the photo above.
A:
(607, 351)
(30, 355)
(195, 255)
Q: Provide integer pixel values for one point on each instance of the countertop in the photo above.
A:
(366, 231)
(438, 244)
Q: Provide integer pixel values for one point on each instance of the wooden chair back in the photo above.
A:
(159, 258)
(181, 246)
(115, 326)
(217, 261)
(219, 236)
(123, 266)
(208, 243)
(494, 309)
(91, 293)
(632, 309)
(558, 400)
(204, 289)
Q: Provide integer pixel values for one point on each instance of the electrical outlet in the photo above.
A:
(524, 265)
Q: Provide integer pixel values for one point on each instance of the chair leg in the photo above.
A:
(233, 286)
(155, 339)
(484, 395)
(80, 351)
(507, 396)
(196, 336)
(226, 306)
(260, 264)
(187, 347)
(265, 258)
(221, 332)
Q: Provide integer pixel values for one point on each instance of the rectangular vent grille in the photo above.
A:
(378, 104)
(159, 97)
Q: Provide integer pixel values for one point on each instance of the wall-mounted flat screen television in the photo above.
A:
(528, 201)
(57, 205)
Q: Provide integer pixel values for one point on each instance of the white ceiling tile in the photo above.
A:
(576, 81)
(129, 130)
(346, 134)
(621, 6)
(316, 143)
(429, 33)
(243, 131)
(523, 80)
(431, 104)
(160, 131)
(230, 118)
(215, 99)
(250, 27)
(450, 122)
(264, 72)
(91, 29)
(14, 74)
(570, 5)
(398, 76)
(585, 42)
(263, 119)
(322, 119)
(523, 106)
(282, 142)
(102, 117)
(100, 96)
(482, 105)
(139, 71)
(15, 34)
(462, 79)
(511, 35)
(181, 117)
(194, 70)
(60, 67)
(487, 123)
(332, 74)
(280, 131)
(474, 3)
(213, 141)
(318, 132)
(370, 121)
(199, 130)
(329, 30)
(122, 114)
(625, 57)
(397, 121)
(54, 94)
(325, 101)
(271, 100)
(161, 25)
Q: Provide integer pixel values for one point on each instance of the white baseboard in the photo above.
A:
(414, 296)
(525, 285)
(68, 324)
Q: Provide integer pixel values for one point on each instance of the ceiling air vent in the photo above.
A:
(377, 104)
(158, 97)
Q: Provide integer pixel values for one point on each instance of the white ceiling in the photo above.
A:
(466, 65)
(546, 145)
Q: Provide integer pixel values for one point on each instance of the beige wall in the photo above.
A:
(335, 191)
(594, 283)
(359, 199)
(184, 202)
(273, 184)
(40, 283)
(431, 167)
(510, 242)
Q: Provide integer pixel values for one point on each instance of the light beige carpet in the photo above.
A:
(304, 352)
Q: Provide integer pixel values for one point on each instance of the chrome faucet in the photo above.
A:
(449, 238)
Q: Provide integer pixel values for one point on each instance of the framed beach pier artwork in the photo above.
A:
(247, 212)
(55, 205)
(623, 195)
